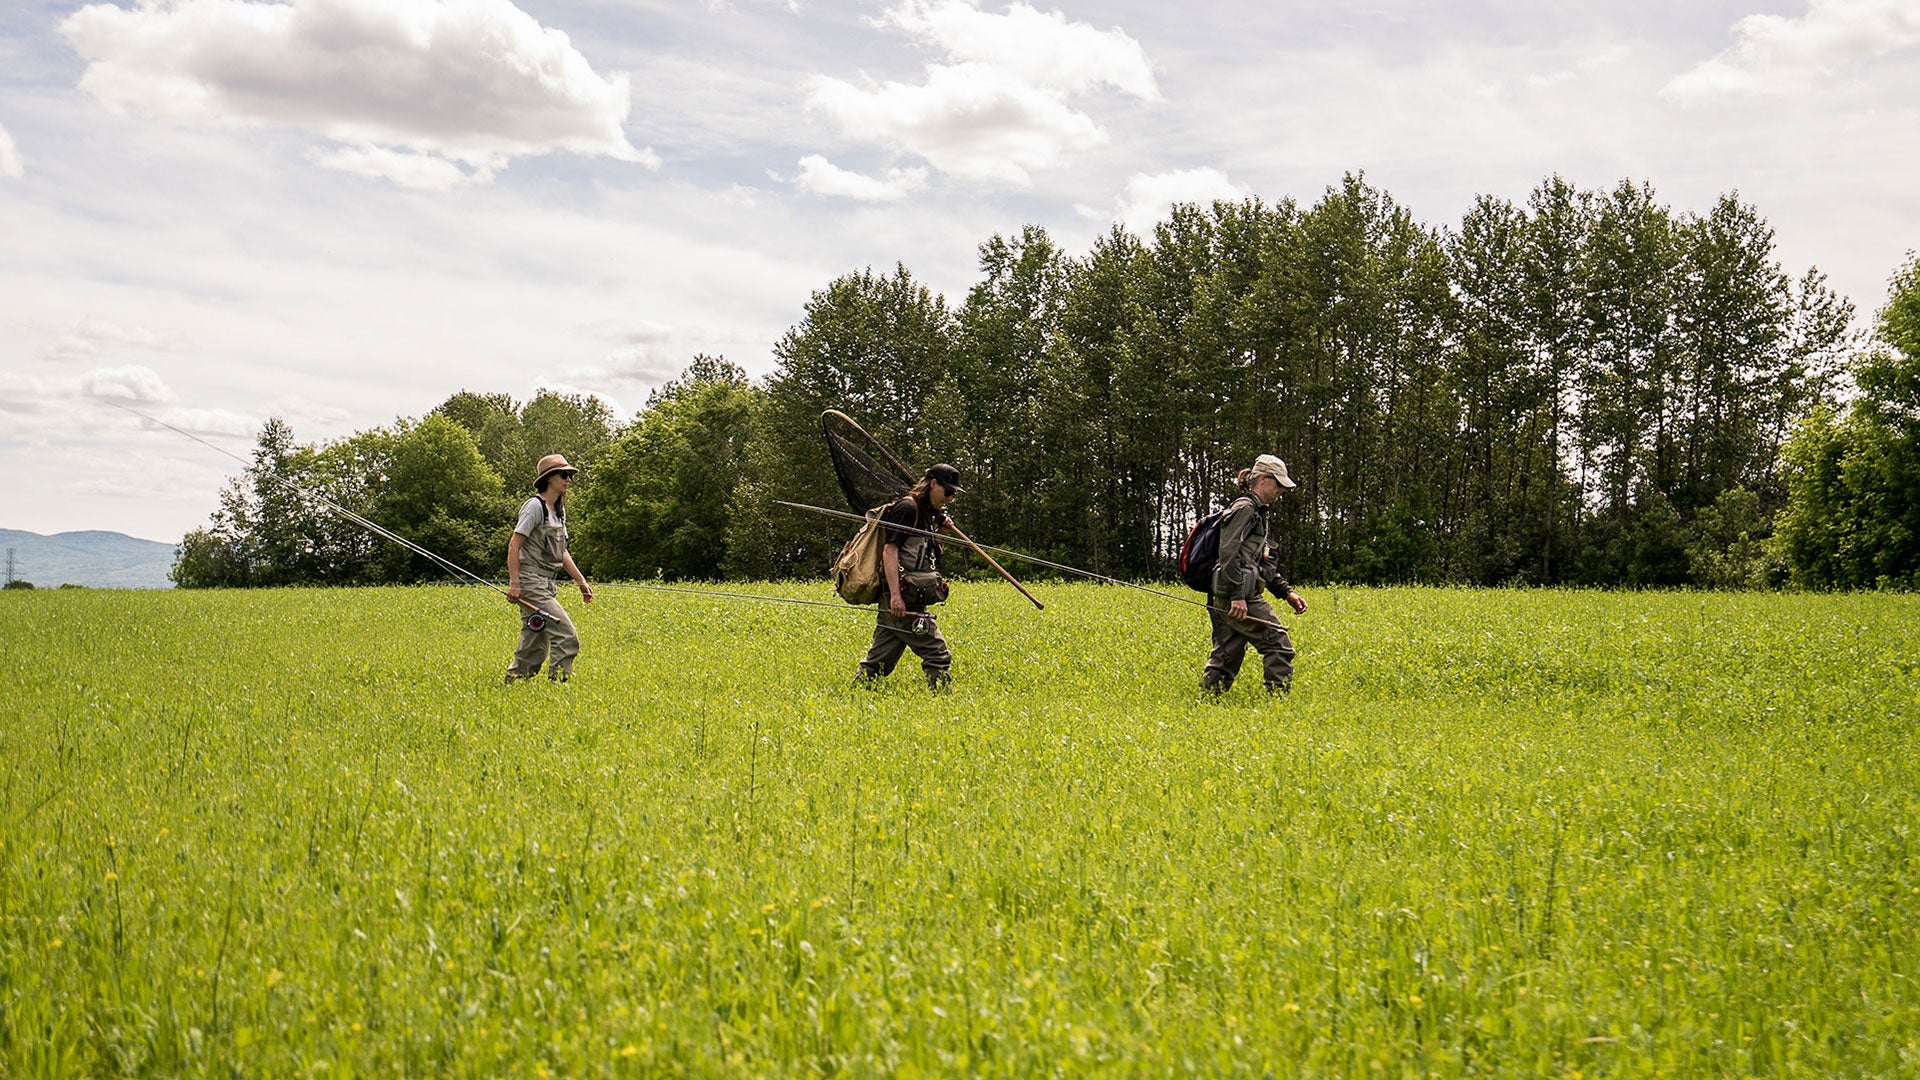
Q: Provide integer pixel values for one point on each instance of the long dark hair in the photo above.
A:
(922, 495)
(559, 504)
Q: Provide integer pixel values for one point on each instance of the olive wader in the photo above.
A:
(1246, 563)
(920, 585)
(542, 563)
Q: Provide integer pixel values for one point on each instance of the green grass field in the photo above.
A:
(1491, 833)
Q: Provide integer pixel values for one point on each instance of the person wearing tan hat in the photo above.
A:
(536, 557)
(1239, 614)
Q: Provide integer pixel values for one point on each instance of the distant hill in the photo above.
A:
(100, 560)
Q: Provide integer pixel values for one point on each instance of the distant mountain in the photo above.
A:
(101, 560)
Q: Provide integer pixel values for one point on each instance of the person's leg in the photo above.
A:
(532, 651)
(936, 660)
(1229, 648)
(563, 642)
(884, 653)
(1275, 645)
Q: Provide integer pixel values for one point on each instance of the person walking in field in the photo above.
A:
(910, 565)
(1239, 614)
(536, 557)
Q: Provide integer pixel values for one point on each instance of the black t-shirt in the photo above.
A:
(907, 513)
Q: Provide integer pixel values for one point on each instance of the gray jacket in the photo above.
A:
(1246, 558)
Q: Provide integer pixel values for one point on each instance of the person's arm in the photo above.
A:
(1277, 582)
(586, 590)
(1230, 574)
(513, 567)
(890, 562)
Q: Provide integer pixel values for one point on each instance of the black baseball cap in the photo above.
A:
(947, 477)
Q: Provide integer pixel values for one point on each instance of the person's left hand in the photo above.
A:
(1297, 602)
(586, 593)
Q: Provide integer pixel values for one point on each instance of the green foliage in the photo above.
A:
(512, 438)
(206, 561)
(1729, 545)
(19, 583)
(1852, 518)
(424, 481)
(1506, 834)
(873, 346)
(663, 492)
(1561, 390)
(1889, 376)
(437, 492)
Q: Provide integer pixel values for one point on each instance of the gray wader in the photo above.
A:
(556, 645)
(1245, 565)
(1231, 637)
(917, 630)
(543, 553)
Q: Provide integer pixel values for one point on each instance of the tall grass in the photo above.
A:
(1490, 833)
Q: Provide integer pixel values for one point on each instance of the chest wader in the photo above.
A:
(1231, 636)
(920, 586)
(546, 636)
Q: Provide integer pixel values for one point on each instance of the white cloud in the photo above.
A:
(97, 334)
(1148, 198)
(411, 89)
(645, 354)
(1773, 54)
(1000, 109)
(971, 120)
(823, 177)
(1043, 49)
(623, 332)
(223, 422)
(23, 393)
(421, 172)
(131, 383)
(11, 163)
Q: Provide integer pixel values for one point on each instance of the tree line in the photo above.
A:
(1586, 387)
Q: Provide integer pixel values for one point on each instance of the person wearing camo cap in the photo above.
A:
(536, 557)
(1239, 614)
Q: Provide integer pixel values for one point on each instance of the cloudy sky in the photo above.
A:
(340, 211)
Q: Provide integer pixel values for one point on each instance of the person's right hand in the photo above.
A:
(1237, 609)
(513, 592)
(897, 607)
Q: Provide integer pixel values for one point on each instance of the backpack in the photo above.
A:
(857, 572)
(1201, 552)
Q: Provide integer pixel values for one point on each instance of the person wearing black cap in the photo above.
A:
(910, 562)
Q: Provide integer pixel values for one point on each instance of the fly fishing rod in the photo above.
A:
(1035, 559)
(859, 612)
(536, 617)
(372, 526)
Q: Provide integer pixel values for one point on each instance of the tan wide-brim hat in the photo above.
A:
(552, 463)
(1268, 465)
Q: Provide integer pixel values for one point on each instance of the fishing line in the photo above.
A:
(374, 527)
(842, 607)
(461, 573)
(1010, 553)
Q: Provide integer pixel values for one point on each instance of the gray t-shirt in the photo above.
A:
(545, 547)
